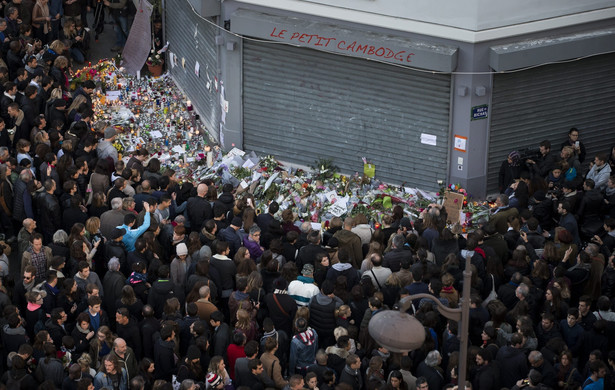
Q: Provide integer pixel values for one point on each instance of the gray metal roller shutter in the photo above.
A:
(545, 102)
(300, 105)
(194, 39)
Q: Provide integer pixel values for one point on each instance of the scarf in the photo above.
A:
(12, 97)
(305, 279)
(306, 337)
(19, 118)
(81, 330)
(33, 306)
(45, 14)
(28, 286)
(610, 191)
(448, 289)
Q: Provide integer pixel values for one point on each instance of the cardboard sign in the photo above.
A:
(453, 202)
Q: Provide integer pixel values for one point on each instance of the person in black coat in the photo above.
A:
(512, 362)
(507, 291)
(161, 290)
(50, 214)
(393, 258)
(345, 268)
(5, 139)
(221, 337)
(539, 363)
(82, 334)
(18, 376)
(509, 170)
(307, 254)
(199, 208)
(281, 306)
(164, 357)
(486, 376)
(351, 374)
(55, 326)
(322, 313)
(13, 334)
(128, 329)
(430, 370)
(148, 327)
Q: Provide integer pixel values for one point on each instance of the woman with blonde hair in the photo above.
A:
(85, 362)
(70, 34)
(246, 324)
(59, 72)
(217, 366)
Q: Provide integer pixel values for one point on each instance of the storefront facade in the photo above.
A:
(423, 101)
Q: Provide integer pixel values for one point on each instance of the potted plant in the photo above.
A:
(154, 63)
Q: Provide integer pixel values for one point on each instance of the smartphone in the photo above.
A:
(576, 144)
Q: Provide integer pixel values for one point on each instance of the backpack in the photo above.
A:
(14, 384)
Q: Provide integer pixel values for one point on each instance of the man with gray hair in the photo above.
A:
(538, 363)
(499, 218)
(112, 218)
(23, 237)
(431, 370)
(204, 304)
(113, 282)
(393, 258)
(252, 242)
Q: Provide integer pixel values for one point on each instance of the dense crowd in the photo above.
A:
(117, 275)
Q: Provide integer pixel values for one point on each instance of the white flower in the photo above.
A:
(157, 55)
(440, 182)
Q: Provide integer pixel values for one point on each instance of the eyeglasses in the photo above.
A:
(27, 277)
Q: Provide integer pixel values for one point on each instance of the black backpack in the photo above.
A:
(14, 384)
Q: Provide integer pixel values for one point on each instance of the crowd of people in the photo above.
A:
(117, 275)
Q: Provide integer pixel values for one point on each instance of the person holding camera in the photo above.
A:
(533, 381)
(544, 161)
(574, 142)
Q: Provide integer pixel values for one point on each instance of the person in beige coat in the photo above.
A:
(271, 363)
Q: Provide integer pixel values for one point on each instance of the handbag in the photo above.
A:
(492, 295)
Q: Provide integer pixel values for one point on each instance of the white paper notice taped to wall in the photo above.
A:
(428, 139)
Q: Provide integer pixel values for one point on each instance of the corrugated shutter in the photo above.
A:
(545, 102)
(194, 39)
(300, 105)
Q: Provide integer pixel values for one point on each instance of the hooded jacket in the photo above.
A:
(513, 365)
(161, 290)
(303, 350)
(352, 243)
(164, 359)
(106, 149)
